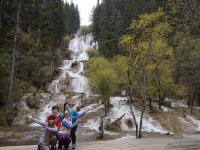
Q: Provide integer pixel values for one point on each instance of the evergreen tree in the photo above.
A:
(111, 19)
(183, 16)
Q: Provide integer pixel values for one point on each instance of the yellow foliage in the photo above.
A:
(148, 51)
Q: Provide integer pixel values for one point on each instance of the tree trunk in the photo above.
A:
(189, 99)
(159, 99)
(144, 101)
(101, 128)
(158, 87)
(141, 120)
(106, 102)
(150, 105)
(51, 69)
(12, 70)
(198, 99)
(159, 95)
(133, 115)
(130, 100)
(192, 104)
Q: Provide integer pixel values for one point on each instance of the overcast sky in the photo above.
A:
(85, 9)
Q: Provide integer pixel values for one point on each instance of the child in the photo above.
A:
(56, 116)
(53, 139)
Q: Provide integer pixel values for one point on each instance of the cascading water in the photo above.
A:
(74, 68)
(120, 107)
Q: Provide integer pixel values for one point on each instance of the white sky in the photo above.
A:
(85, 9)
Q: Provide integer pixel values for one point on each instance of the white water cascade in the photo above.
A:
(120, 107)
(73, 69)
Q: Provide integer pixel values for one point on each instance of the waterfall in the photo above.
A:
(73, 69)
(71, 78)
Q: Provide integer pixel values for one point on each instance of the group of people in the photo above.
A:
(59, 128)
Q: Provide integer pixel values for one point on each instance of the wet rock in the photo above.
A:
(115, 125)
(74, 65)
(129, 123)
(30, 104)
(34, 100)
(93, 113)
(56, 71)
(21, 106)
(33, 103)
(21, 110)
(107, 121)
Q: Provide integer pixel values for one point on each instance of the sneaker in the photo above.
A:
(73, 146)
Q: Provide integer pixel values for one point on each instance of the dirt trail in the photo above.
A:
(185, 143)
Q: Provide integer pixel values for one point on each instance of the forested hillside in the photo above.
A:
(34, 35)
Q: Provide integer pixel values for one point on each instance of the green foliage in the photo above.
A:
(102, 78)
(93, 52)
(41, 76)
(120, 66)
(67, 38)
(22, 87)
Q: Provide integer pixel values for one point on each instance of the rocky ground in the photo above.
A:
(175, 117)
(191, 142)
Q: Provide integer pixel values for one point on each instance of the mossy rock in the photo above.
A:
(33, 102)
